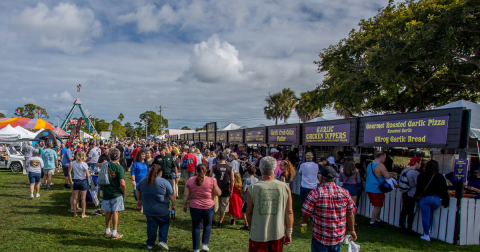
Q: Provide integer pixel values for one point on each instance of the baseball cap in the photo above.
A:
(328, 172)
(309, 155)
(414, 160)
(331, 160)
(186, 147)
(35, 150)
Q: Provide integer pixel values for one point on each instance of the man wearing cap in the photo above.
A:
(309, 172)
(167, 163)
(408, 208)
(332, 209)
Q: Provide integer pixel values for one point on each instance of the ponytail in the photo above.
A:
(153, 174)
(201, 171)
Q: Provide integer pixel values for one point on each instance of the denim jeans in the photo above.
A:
(428, 205)
(319, 247)
(157, 222)
(304, 193)
(199, 215)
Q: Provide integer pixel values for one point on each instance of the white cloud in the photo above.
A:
(28, 100)
(66, 27)
(63, 97)
(214, 61)
(149, 18)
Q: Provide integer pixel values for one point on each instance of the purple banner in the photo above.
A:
(196, 137)
(282, 136)
(203, 137)
(221, 137)
(210, 137)
(235, 137)
(211, 127)
(327, 134)
(255, 136)
(460, 170)
(421, 131)
(190, 137)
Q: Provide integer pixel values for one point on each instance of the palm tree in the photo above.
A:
(280, 105)
(121, 117)
(305, 115)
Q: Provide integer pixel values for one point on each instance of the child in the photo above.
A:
(174, 176)
(250, 180)
(235, 206)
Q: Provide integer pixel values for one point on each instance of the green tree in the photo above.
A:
(186, 128)
(129, 130)
(154, 122)
(200, 129)
(118, 128)
(31, 111)
(280, 105)
(411, 56)
(2, 115)
(139, 129)
(121, 117)
(305, 109)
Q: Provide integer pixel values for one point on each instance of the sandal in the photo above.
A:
(118, 236)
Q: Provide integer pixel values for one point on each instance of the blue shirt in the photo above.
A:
(66, 157)
(49, 157)
(155, 197)
(140, 170)
(475, 183)
(372, 184)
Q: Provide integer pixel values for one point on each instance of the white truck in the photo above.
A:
(11, 159)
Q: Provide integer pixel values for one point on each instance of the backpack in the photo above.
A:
(103, 178)
(127, 152)
(185, 161)
(403, 182)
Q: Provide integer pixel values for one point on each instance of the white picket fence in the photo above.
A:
(443, 225)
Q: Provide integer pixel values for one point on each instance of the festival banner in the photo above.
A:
(282, 135)
(421, 131)
(196, 137)
(255, 136)
(211, 131)
(190, 137)
(203, 137)
(327, 134)
(210, 137)
(221, 136)
(460, 170)
(235, 136)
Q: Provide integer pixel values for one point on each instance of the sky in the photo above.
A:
(204, 61)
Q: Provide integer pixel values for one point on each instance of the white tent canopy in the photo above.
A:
(9, 131)
(231, 126)
(475, 115)
(25, 131)
(317, 119)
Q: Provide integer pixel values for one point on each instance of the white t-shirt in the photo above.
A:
(199, 158)
(210, 162)
(235, 166)
(94, 154)
(35, 164)
(79, 170)
(309, 171)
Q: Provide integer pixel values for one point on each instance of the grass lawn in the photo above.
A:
(45, 224)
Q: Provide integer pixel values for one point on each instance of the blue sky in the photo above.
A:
(204, 60)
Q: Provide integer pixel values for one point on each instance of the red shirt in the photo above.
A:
(330, 204)
(192, 161)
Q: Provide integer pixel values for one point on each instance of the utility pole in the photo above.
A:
(160, 108)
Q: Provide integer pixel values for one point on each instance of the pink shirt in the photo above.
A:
(278, 171)
(202, 198)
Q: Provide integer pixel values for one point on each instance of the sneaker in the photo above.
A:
(117, 236)
(97, 212)
(37, 195)
(232, 221)
(66, 187)
(163, 245)
(374, 225)
(205, 248)
(244, 228)
(425, 237)
(149, 247)
(47, 188)
(380, 222)
(220, 224)
(31, 196)
(51, 183)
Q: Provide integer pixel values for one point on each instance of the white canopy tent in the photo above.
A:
(27, 132)
(10, 132)
(231, 126)
(474, 116)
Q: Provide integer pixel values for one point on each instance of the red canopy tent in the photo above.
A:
(61, 133)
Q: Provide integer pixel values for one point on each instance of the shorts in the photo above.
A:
(276, 245)
(179, 175)
(80, 185)
(49, 171)
(65, 170)
(113, 205)
(352, 189)
(376, 199)
(223, 204)
(34, 177)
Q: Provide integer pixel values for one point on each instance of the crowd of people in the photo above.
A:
(238, 181)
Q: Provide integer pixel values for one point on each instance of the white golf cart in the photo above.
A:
(12, 159)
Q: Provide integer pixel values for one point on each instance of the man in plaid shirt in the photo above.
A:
(333, 208)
